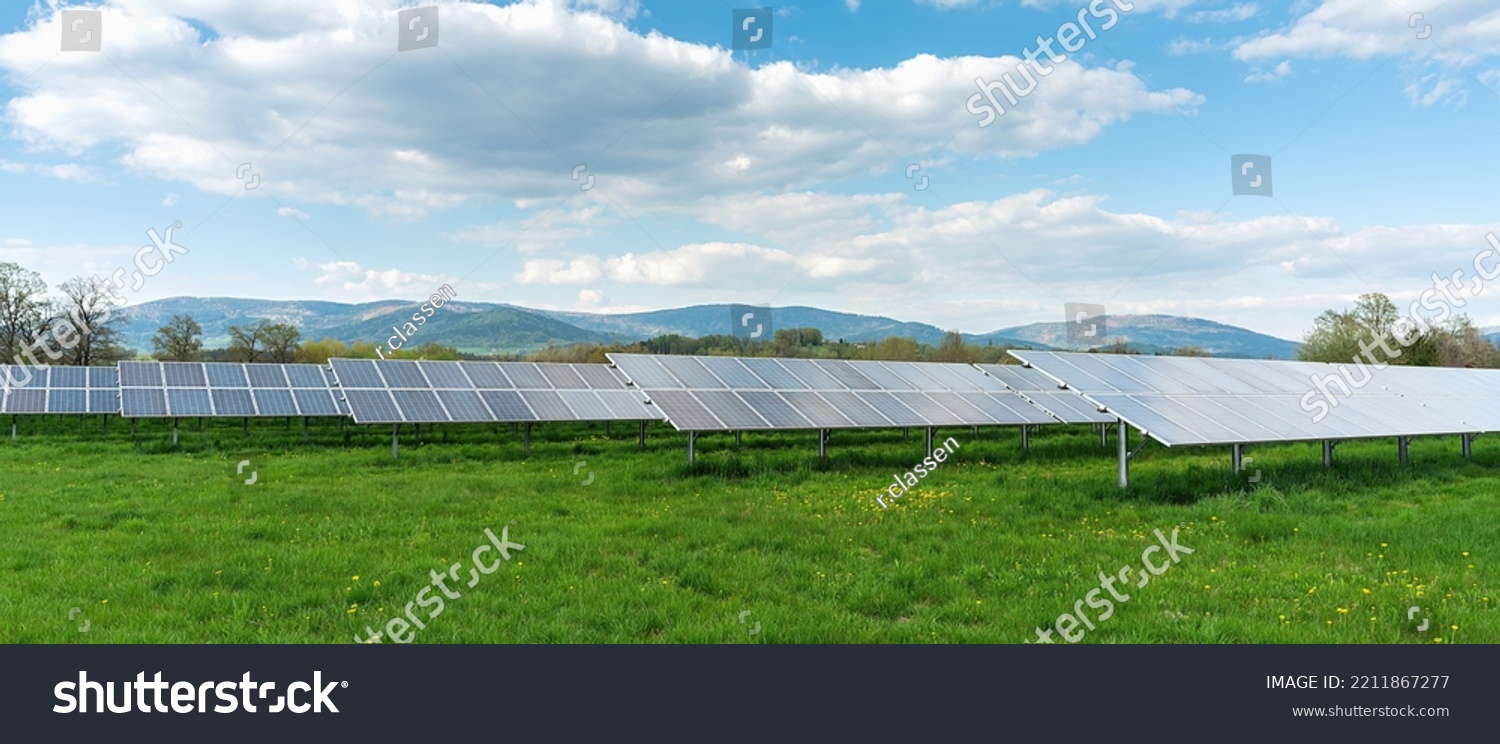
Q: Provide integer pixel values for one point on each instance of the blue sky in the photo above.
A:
(766, 176)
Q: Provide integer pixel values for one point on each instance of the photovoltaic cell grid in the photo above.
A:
(60, 389)
(1183, 400)
(1044, 393)
(218, 389)
(399, 391)
(734, 393)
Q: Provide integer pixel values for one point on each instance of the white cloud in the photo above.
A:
(354, 282)
(277, 92)
(171, 200)
(290, 212)
(1274, 75)
(1232, 14)
(591, 297)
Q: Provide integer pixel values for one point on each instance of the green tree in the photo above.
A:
(180, 340)
(23, 307)
(953, 349)
(319, 352)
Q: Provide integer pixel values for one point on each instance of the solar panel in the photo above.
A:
(586, 405)
(562, 376)
(142, 402)
(306, 376)
(775, 410)
(69, 377)
(140, 374)
(446, 376)
(104, 401)
(67, 400)
(1180, 400)
(486, 375)
(221, 375)
(275, 402)
(183, 374)
(526, 377)
(770, 370)
(851, 406)
(233, 401)
(104, 377)
(357, 373)
(507, 405)
(731, 410)
(684, 411)
(403, 374)
(812, 374)
(420, 405)
(691, 373)
(733, 373)
(894, 411)
(266, 375)
(373, 406)
(599, 377)
(547, 405)
(312, 402)
(464, 405)
(816, 408)
(183, 401)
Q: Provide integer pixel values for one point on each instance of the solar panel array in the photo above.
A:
(746, 393)
(399, 391)
(1044, 393)
(60, 390)
(1183, 400)
(215, 389)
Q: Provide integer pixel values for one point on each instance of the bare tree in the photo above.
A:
(179, 340)
(88, 305)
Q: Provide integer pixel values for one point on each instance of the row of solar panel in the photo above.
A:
(222, 375)
(183, 402)
(397, 374)
(372, 406)
(762, 373)
(101, 378)
(61, 400)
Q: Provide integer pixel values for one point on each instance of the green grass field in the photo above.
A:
(156, 544)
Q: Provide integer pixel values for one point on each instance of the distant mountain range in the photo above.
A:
(481, 327)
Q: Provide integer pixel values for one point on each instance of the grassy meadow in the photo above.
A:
(109, 540)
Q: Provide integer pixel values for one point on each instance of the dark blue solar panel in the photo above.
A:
(403, 374)
(67, 400)
(26, 400)
(189, 402)
(486, 375)
(356, 373)
(625, 404)
(464, 405)
(306, 376)
(507, 405)
(420, 406)
(314, 402)
(183, 374)
(373, 406)
(104, 401)
(275, 402)
(646, 372)
(233, 402)
(222, 375)
(446, 375)
(266, 375)
(142, 402)
(69, 377)
(140, 374)
(104, 377)
(691, 372)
